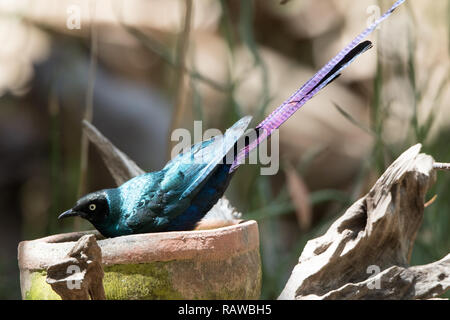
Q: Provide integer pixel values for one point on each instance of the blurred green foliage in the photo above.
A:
(272, 209)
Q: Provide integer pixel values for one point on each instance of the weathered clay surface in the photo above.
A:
(376, 233)
(80, 275)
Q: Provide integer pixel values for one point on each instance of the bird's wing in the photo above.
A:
(187, 171)
(154, 198)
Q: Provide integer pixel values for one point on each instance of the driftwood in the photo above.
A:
(80, 275)
(122, 169)
(366, 252)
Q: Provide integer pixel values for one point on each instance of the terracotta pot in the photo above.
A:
(221, 263)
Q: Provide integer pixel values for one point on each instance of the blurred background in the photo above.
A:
(138, 69)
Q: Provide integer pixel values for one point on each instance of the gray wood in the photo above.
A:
(80, 275)
(365, 254)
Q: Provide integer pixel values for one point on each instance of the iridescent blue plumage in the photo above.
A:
(175, 198)
(179, 195)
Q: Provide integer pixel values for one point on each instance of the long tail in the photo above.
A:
(320, 80)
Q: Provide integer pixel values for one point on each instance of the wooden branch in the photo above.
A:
(419, 282)
(121, 167)
(80, 275)
(372, 243)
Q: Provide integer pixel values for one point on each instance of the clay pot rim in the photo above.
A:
(211, 244)
(74, 236)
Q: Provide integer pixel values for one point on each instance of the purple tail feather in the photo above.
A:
(320, 80)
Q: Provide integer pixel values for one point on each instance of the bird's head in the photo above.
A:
(93, 207)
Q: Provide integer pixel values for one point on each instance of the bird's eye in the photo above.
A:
(92, 207)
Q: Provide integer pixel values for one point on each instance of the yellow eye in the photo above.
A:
(92, 207)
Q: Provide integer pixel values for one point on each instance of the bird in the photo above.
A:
(177, 197)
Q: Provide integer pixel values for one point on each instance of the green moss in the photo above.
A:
(139, 281)
(131, 281)
(39, 289)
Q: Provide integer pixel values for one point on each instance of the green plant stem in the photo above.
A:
(55, 162)
(89, 111)
(180, 103)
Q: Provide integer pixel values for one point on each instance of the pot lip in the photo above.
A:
(211, 244)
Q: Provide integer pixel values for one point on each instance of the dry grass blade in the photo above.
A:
(346, 115)
(431, 201)
(300, 196)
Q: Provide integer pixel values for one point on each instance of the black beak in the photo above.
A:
(68, 213)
